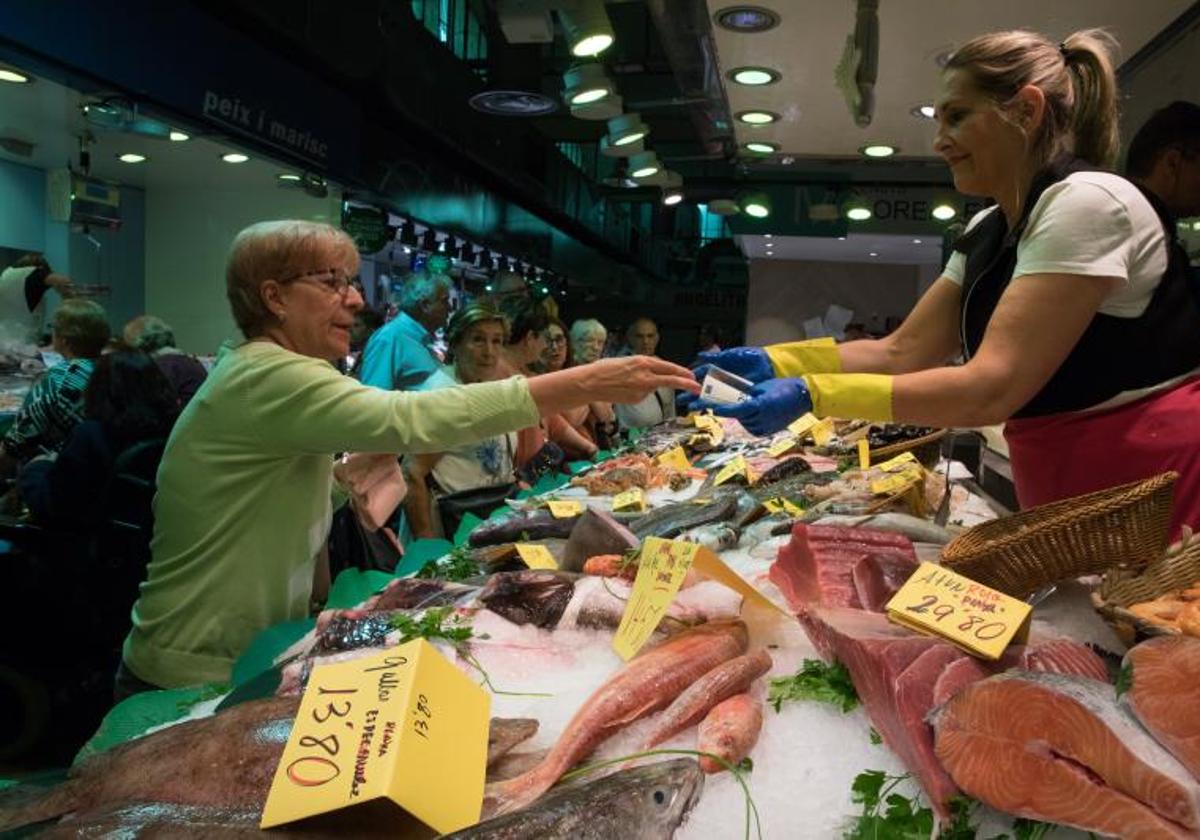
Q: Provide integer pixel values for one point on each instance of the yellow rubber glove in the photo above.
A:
(853, 396)
(797, 358)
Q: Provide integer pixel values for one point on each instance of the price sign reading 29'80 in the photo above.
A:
(976, 618)
(404, 724)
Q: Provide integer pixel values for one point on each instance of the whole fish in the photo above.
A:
(717, 536)
(787, 468)
(730, 730)
(595, 533)
(536, 597)
(643, 803)
(915, 528)
(792, 487)
(521, 527)
(646, 684)
(724, 681)
(672, 520)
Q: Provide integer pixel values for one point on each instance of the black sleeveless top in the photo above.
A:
(1114, 354)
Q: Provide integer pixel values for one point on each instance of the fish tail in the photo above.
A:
(515, 793)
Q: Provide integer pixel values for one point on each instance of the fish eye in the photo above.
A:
(659, 797)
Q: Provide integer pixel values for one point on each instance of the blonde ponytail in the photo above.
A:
(1088, 56)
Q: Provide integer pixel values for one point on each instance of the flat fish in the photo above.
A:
(536, 597)
(521, 527)
(672, 520)
(642, 803)
(1061, 749)
(647, 683)
(1164, 694)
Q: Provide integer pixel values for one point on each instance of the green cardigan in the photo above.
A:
(243, 503)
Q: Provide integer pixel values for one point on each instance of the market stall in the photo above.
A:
(770, 691)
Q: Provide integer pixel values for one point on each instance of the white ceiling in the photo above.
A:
(48, 115)
(854, 247)
(808, 43)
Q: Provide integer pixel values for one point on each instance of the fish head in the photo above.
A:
(655, 798)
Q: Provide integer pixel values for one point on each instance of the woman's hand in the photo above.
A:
(628, 379)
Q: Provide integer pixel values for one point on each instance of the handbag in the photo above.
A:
(450, 508)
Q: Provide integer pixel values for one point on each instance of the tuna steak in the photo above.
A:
(1165, 694)
(1060, 749)
(817, 566)
(646, 684)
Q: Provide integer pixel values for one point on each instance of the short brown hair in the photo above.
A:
(82, 327)
(272, 251)
(481, 312)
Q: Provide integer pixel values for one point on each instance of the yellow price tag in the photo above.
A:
(974, 617)
(898, 463)
(782, 445)
(864, 454)
(705, 421)
(734, 468)
(404, 724)
(661, 568)
(897, 482)
(822, 431)
(782, 505)
(711, 566)
(632, 499)
(800, 427)
(564, 510)
(536, 556)
(675, 458)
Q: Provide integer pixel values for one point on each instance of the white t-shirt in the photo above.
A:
(1095, 224)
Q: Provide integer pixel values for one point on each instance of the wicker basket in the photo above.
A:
(1122, 526)
(926, 449)
(1123, 587)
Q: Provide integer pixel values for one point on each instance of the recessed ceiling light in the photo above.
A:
(1195, 225)
(767, 235)
(858, 214)
(131, 157)
(178, 136)
(8, 74)
(672, 198)
(944, 212)
(747, 19)
(924, 112)
(754, 76)
(756, 205)
(878, 150)
(757, 117)
(761, 148)
(841, 239)
(288, 176)
(874, 254)
(916, 241)
(235, 157)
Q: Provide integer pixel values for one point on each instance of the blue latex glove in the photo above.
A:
(747, 362)
(772, 405)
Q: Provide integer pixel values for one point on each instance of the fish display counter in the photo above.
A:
(772, 691)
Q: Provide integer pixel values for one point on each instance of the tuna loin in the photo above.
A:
(1060, 749)
(840, 567)
(1165, 694)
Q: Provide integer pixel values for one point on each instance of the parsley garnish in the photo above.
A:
(876, 738)
(1125, 678)
(815, 681)
(456, 565)
(893, 815)
(437, 623)
(1024, 829)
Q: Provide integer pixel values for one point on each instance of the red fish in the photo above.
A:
(730, 731)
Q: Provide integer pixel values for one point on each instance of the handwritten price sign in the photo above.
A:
(564, 509)
(976, 618)
(404, 724)
(632, 499)
(675, 458)
(536, 556)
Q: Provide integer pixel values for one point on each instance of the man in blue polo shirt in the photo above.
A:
(399, 355)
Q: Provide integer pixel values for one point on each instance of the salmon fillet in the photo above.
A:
(1165, 694)
(1060, 749)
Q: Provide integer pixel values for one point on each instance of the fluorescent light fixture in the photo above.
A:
(767, 235)
(760, 147)
(878, 150)
(874, 254)
(288, 176)
(644, 165)
(235, 157)
(9, 74)
(131, 157)
(178, 136)
(923, 112)
(944, 212)
(858, 214)
(586, 25)
(757, 205)
(585, 84)
(754, 76)
(627, 150)
(757, 117)
(626, 129)
(672, 197)
(916, 241)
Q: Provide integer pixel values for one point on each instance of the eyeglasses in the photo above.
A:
(333, 280)
(555, 340)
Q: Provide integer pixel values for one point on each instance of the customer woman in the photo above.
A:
(1069, 298)
(243, 504)
(597, 422)
(440, 484)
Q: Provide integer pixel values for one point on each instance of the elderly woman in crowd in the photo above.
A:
(475, 478)
(153, 336)
(243, 505)
(597, 421)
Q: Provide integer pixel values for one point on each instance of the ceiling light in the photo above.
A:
(587, 27)
(8, 74)
(761, 148)
(754, 76)
(602, 109)
(874, 254)
(858, 214)
(924, 112)
(757, 205)
(628, 150)
(672, 197)
(288, 176)
(131, 157)
(585, 84)
(767, 235)
(746, 18)
(1195, 225)
(757, 117)
(235, 157)
(944, 212)
(841, 239)
(878, 150)
(626, 129)
(178, 136)
(644, 165)
(916, 241)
